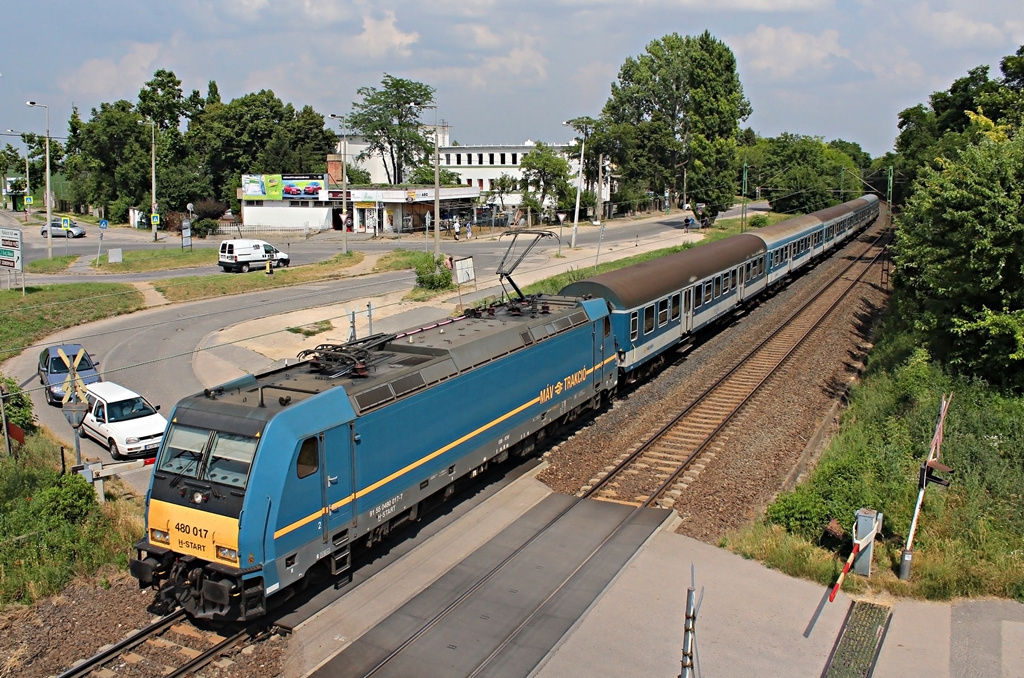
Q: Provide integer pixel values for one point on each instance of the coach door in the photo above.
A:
(687, 320)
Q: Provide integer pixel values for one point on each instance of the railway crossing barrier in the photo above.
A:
(930, 464)
(868, 524)
(94, 472)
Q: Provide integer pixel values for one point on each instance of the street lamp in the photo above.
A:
(344, 184)
(579, 183)
(437, 187)
(49, 235)
(152, 193)
(27, 190)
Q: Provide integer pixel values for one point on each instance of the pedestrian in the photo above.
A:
(456, 228)
(469, 229)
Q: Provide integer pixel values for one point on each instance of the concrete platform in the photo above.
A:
(472, 634)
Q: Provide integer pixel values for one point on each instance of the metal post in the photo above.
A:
(369, 318)
(743, 197)
(689, 660)
(3, 419)
(152, 193)
(344, 195)
(579, 190)
(600, 191)
(437, 193)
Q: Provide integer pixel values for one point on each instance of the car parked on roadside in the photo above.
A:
(57, 230)
(53, 372)
(123, 421)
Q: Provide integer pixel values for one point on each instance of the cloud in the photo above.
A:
(522, 66)
(783, 52)
(479, 35)
(326, 11)
(106, 79)
(953, 28)
(773, 6)
(380, 38)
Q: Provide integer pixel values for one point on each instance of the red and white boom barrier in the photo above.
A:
(862, 544)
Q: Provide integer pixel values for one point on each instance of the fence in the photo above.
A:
(256, 229)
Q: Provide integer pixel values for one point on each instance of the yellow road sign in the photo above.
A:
(73, 383)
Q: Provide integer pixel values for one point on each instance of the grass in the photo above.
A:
(52, 528)
(58, 264)
(139, 261)
(313, 329)
(191, 288)
(969, 534)
(48, 308)
(402, 260)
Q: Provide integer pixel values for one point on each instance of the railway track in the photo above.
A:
(651, 474)
(169, 647)
(656, 471)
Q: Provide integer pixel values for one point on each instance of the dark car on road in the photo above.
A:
(57, 230)
(53, 371)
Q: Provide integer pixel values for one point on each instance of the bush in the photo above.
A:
(18, 405)
(210, 209)
(204, 227)
(759, 221)
(433, 275)
(117, 211)
(70, 500)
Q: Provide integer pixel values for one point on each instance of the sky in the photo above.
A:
(506, 71)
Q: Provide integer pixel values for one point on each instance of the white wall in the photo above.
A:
(284, 217)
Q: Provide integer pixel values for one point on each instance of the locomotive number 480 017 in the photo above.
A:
(191, 529)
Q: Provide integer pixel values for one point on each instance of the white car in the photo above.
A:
(123, 421)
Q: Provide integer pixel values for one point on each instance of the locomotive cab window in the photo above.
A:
(649, 319)
(308, 461)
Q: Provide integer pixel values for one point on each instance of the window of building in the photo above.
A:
(479, 158)
(480, 184)
(469, 182)
(514, 156)
(502, 158)
(458, 158)
(469, 158)
(649, 319)
(447, 158)
(490, 157)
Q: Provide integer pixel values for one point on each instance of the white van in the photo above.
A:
(243, 254)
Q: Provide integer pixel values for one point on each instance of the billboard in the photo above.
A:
(284, 187)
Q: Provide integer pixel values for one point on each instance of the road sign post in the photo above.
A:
(11, 253)
(74, 402)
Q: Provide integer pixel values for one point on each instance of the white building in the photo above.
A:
(478, 165)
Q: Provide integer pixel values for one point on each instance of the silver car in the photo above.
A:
(57, 230)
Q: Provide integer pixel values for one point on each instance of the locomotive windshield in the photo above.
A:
(192, 452)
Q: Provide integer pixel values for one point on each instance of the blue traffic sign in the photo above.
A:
(28, 199)
(65, 223)
(104, 223)
(154, 219)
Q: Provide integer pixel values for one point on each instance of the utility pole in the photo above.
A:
(743, 197)
(600, 188)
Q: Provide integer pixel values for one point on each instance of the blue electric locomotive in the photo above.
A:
(262, 478)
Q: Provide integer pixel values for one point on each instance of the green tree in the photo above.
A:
(389, 119)
(423, 175)
(544, 170)
(860, 157)
(162, 101)
(677, 110)
(803, 174)
(959, 259)
(503, 186)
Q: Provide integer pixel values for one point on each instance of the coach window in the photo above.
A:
(746, 272)
(309, 458)
(634, 326)
(718, 286)
(735, 277)
(725, 282)
(649, 319)
(662, 312)
(675, 307)
(708, 287)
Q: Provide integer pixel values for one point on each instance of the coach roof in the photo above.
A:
(643, 283)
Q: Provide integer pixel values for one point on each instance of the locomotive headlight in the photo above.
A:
(197, 497)
(159, 536)
(224, 553)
